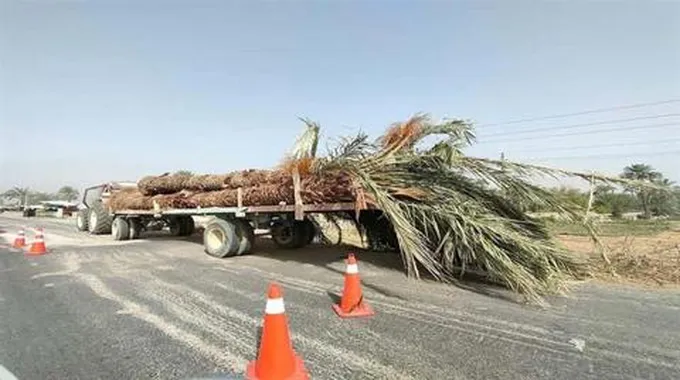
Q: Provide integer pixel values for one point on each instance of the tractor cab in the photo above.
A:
(93, 214)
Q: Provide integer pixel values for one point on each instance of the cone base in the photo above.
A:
(299, 372)
(36, 250)
(362, 311)
(19, 244)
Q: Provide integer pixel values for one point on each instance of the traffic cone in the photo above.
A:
(352, 303)
(38, 245)
(276, 359)
(20, 240)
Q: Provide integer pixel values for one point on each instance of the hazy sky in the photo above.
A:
(113, 90)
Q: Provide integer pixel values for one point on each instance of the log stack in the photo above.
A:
(258, 187)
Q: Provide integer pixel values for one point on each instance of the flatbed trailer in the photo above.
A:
(230, 232)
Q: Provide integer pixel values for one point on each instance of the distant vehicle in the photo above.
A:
(67, 208)
(29, 211)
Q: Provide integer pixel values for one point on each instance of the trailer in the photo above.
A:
(230, 231)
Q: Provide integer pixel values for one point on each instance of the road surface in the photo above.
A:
(161, 308)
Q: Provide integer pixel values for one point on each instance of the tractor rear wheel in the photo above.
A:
(99, 220)
(82, 217)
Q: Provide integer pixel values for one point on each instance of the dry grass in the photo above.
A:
(640, 260)
(646, 260)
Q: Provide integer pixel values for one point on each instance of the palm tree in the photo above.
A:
(662, 200)
(642, 173)
(17, 194)
(67, 193)
(448, 210)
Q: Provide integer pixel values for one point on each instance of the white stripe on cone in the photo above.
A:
(352, 269)
(274, 306)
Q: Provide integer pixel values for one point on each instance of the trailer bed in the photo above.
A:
(317, 208)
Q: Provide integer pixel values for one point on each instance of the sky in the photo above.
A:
(93, 91)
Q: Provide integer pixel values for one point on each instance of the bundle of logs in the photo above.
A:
(258, 188)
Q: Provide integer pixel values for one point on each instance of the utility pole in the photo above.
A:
(591, 194)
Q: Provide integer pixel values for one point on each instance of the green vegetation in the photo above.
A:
(648, 195)
(615, 228)
(449, 211)
(24, 195)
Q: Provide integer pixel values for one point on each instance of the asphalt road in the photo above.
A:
(161, 308)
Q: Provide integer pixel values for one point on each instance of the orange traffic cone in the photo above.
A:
(38, 245)
(20, 240)
(352, 303)
(276, 359)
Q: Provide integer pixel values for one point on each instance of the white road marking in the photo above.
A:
(5, 374)
(579, 344)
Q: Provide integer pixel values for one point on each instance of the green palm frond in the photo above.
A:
(307, 143)
(449, 211)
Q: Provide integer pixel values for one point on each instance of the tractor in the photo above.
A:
(93, 214)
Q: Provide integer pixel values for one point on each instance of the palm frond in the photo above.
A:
(451, 213)
(307, 143)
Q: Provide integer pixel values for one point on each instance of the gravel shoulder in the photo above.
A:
(161, 308)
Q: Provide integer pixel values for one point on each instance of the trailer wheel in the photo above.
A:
(82, 219)
(120, 229)
(186, 226)
(135, 228)
(289, 234)
(182, 226)
(220, 239)
(246, 236)
(309, 230)
(99, 220)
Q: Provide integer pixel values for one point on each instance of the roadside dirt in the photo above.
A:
(638, 260)
(645, 260)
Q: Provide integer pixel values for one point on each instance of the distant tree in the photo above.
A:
(67, 193)
(17, 194)
(663, 201)
(40, 196)
(642, 173)
(184, 172)
(608, 201)
(604, 189)
(571, 195)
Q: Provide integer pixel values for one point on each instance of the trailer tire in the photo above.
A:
(289, 234)
(174, 226)
(182, 225)
(220, 239)
(309, 231)
(120, 229)
(246, 236)
(186, 226)
(99, 219)
(135, 228)
(81, 219)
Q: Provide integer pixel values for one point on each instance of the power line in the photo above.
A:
(589, 124)
(609, 155)
(597, 110)
(584, 132)
(605, 145)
